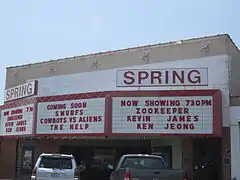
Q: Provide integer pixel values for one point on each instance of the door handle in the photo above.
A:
(156, 172)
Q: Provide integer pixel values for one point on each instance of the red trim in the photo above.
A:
(162, 135)
(71, 97)
(35, 118)
(108, 111)
(1, 107)
(217, 113)
(17, 103)
(108, 115)
(65, 135)
(16, 136)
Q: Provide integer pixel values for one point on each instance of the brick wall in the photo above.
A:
(226, 150)
(8, 159)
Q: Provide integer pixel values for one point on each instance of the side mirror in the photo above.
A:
(81, 167)
(110, 166)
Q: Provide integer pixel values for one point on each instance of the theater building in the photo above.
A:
(174, 98)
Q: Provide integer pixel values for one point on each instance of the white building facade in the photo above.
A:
(176, 102)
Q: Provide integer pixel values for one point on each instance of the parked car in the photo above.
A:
(55, 167)
(144, 167)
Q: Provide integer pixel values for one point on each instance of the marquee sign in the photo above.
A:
(114, 113)
(81, 116)
(17, 120)
(189, 115)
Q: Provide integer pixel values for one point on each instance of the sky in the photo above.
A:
(39, 30)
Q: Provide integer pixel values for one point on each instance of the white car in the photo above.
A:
(55, 167)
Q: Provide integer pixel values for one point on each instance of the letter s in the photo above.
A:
(195, 118)
(8, 95)
(128, 77)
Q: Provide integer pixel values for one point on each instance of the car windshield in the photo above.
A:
(56, 162)
(143, 163)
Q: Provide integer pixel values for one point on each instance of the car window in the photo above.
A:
(143, 163)
(56, 162)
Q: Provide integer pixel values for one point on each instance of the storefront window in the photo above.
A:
(27, 160)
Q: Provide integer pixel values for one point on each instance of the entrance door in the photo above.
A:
(208, 154)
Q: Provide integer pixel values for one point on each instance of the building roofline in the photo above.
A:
(126, 49)
(231, 40)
